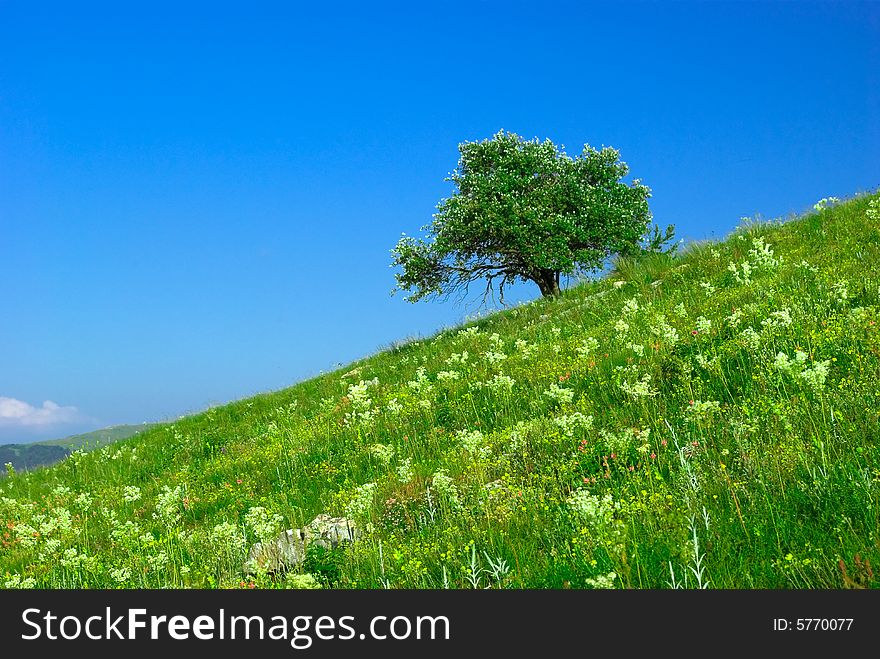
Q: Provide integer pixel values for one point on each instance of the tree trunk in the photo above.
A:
(548, 282)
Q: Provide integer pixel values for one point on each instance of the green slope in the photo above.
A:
(717, 410)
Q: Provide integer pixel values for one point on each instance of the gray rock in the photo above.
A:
(285, 551)
(288, 550)
(329, 532)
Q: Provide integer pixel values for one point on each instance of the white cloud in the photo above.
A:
(17, 413)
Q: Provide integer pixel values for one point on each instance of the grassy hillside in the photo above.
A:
(705, 419)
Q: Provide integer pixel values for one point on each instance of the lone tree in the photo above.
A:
(524, 210)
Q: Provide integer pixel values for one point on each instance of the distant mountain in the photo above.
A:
(41, 454)
(98, 438)
(30, 456)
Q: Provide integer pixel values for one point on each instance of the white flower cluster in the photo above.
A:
(168, 505)
(473, 442)
(699, 409)
(448, 376)
(761, 254)
(500, 383)
(703, 325)
(813, 377)
(383, 452)
(459, 358)
(559, 394)
(360, 506)
(873, 212)
(262, 523)
(421, 384)
(229, 536)
(445, 487)
(599, 514)
(760, 257)
(362, 410)
(625, 439)
(824, 203)
(630, 307)
(525, 348)
(603, 581)
(494, 357)
(664, 330)
(568, 423)
(587, 346)
(639, 388)
(405, 471)
(777, 319)
(839, 293)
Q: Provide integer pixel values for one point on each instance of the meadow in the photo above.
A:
(704, 419)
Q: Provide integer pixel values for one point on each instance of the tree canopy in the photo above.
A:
(523, 210)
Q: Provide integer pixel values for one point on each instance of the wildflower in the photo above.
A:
(604, 581)
(630, 307)
(120, 574)
(734, 318)
(751, 338)
(472, 441)
(445, 488)
(664, 330)
(709, 288)
(873, 212)
(404, 471)
(825, 202)
(525, 348)
(621, 327)
(168, 505)
(444, 376)
(571, 422)
(761, 254)
(458, 358)
(262, 523)
(640, 388)
(777, 319)
(703, 324)
(229, 536)
(383, 452)
(500, 383)
(587, 346)
(559, 394)
(360, 505)
(494, 357)
(131, 493)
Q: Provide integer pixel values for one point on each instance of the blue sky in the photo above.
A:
(197, 201)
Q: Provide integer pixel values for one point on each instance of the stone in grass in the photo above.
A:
(288, 550)
(329, 532)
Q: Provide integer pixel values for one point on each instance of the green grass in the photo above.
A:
(675, 424)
